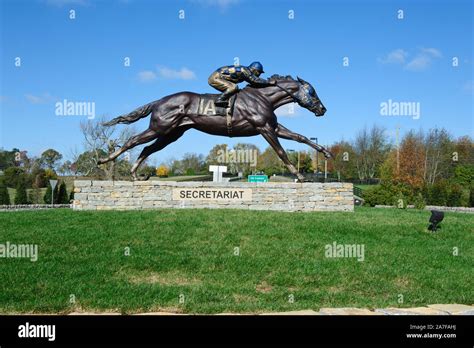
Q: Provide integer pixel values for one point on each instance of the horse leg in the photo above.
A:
(158, 145)
(285, 133)
(138, 139)
(271, 137)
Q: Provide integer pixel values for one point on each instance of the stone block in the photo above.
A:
(82, 183)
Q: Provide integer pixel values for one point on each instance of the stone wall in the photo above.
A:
(128, 195)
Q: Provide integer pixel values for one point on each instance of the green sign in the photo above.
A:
(258, 178)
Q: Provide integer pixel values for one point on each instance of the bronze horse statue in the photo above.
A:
(251, 113)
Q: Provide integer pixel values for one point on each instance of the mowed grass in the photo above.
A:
(185, 261)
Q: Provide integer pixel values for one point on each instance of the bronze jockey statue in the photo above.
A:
(226, 78)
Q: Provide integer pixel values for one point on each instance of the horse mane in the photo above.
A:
(276, 77)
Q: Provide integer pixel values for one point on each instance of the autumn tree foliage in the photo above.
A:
(464, 150)
(389, 167)
(411, 161)
(343, 161)
(270, 163)
(162, 171)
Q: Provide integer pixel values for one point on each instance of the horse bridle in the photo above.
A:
(295, 98)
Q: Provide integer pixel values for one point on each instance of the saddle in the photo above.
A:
(207, 106)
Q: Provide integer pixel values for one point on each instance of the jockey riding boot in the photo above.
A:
(222, 100)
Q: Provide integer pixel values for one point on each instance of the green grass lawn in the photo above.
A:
(191, 253)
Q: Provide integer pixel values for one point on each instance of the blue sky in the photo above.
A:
(82, 59)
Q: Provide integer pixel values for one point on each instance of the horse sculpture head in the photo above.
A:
(301, 92)
(307, 98)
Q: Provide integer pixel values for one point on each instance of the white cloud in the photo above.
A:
(423, 58)
(146, 76)
(397, 56)
(432, 52)
(288, 110)
(420, 62)
(182, 74)
(39, 99)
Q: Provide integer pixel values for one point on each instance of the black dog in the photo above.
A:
(435, 219)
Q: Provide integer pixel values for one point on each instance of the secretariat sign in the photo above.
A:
(212, 194)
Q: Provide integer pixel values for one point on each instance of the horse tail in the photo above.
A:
(133, 116)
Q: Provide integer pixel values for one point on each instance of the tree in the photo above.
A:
(65, 168)
(101, 141)
(123, 168)
(47, 195)
(471, 196)
(270, 163)
(7, 158)
(50, 158)
(162, 171)
(193, 163)
(4, 196)
(454, 196)
(464, 148)
(388, 169)
(176, 167)
(50, 175)
(439, 150)
(13, 175)
(306, 161)
(464, 174)
(39, 177)
(21, 197)
(35, 196)
(146, 170)
(246, 158)
(438, 194)
(370, 147)
(215, 155)
(22, 160)
(411, 158)
(343, 162)
(62, 194)
(86, 164)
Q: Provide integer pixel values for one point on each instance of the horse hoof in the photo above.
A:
(144, 177)
(140, 178)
